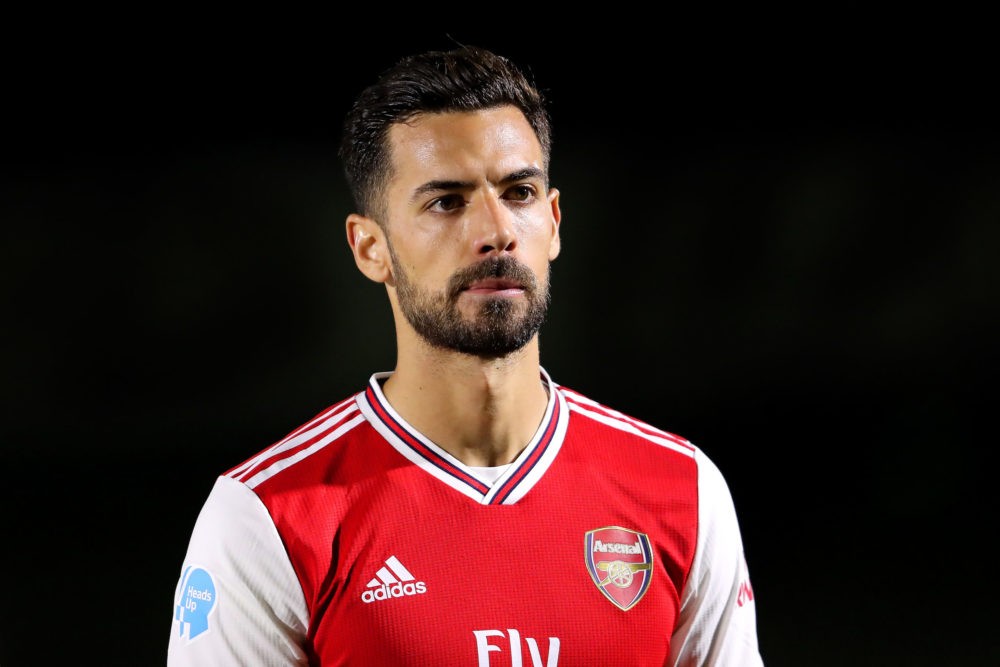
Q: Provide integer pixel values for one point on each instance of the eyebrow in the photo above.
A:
(439, 185)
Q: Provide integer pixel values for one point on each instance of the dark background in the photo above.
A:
(779, 240)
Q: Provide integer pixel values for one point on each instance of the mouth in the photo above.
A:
(495, 287)
(497, 278)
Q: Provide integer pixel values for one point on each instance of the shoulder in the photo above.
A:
(322, 436)
(597, 417)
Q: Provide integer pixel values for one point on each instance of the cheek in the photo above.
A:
(538, 238)
(437, 268)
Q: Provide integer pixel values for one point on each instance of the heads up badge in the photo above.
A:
(620, 562)
(194, 602)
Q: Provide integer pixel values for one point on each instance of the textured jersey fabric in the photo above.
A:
(357, 541)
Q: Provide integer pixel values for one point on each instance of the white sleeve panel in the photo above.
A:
(238, 601)
(718, 618)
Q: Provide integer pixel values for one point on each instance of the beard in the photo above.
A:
(499, 327)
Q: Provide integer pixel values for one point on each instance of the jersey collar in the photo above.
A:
(520, 477)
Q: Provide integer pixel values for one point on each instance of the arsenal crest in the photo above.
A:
(620, 562)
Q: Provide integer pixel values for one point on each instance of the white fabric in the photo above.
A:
(718, 623)
(489, 474)
(258, 605)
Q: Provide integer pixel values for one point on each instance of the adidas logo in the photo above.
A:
(392, 581)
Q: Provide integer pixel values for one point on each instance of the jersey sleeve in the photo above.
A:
(718, 620)
(238, 600)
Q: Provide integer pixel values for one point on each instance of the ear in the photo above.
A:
(367, 241)
(554, 243)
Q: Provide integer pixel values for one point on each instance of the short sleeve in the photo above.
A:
(238, 600)
(718, 620)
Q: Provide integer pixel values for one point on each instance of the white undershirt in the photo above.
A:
(489, 474)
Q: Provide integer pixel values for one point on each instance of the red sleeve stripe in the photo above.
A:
(683, 448)
(323, 415)
(300, 438)
(301, 453)
(592, 406)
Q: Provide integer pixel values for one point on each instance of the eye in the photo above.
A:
(450, 202)
(520, 192)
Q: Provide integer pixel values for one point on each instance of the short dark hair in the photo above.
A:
(467, 78)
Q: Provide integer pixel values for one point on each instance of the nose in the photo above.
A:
(495, 232)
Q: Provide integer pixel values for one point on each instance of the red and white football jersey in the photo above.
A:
(356, 540)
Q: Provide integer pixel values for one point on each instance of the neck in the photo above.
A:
(481, 411)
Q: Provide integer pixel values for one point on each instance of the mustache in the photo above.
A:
(496, 267)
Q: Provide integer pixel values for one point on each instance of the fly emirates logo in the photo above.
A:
(509, 643)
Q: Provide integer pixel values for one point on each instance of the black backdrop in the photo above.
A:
(778, 242)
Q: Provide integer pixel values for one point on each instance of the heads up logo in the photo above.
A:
(194, 602)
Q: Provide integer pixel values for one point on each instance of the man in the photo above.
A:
(464, 508)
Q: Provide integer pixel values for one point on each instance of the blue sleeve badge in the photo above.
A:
(194, 602)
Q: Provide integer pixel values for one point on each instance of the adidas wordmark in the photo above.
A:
(392, 581)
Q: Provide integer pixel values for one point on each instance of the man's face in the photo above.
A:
(471, 230)
(500, 325)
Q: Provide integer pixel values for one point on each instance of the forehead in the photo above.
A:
(464, 145)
